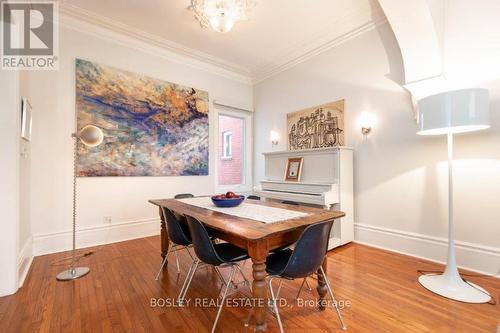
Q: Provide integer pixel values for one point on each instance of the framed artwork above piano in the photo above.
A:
(317, 127)
(326, 181)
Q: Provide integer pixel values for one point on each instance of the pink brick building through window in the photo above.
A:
(231, 148)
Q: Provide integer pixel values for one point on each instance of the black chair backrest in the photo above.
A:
(183, 196)
(175, 232)
(253, 197)
(290, 203)
(202, 244)
(309, 251)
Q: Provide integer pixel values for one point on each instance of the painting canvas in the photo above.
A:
(318, 127)
(151, 127)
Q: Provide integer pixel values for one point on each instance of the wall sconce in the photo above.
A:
(366, 122)
(274, 136)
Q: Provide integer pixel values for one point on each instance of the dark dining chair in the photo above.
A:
(183, 196)
(253, 197)
(217, 255)
(177, 235)
(304, 282)
(179, 238)
(304, 260)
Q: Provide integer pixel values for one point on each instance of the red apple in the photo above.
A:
(230, 195)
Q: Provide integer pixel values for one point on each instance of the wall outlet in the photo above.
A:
(107, 219)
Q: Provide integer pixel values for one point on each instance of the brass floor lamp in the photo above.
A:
(90, 136)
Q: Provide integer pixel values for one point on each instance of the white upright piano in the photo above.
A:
(326, 181)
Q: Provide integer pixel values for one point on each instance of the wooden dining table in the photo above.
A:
(257, 237)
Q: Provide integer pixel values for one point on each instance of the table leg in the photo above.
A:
(258, 252)
(321, 288)
(163, 235)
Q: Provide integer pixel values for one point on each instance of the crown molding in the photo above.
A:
(84, 21)
(307, 52)
(81, 20)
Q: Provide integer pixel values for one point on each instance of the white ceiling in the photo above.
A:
(278, 34)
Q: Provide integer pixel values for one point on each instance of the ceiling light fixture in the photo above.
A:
(221, 14)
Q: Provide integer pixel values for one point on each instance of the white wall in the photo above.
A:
(124, 199)
(25, 251)
(471, 46)
(9, 180)
(400, 178)
(15, 238)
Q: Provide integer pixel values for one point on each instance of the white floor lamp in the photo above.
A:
(449, 113)
(91, 136)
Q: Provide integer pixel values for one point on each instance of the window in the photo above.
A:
(234, 163)
(227, 142)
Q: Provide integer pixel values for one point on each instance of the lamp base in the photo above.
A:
(449, 286)
(72, 274)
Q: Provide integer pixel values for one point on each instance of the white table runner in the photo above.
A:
(248, 210)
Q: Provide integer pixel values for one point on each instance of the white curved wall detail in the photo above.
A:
(446, 44)
(414, 28)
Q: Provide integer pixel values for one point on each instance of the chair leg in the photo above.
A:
(279, 289)
(189, 252)
(342, 324)
(300, 289)
(273, 301)
(216, 269)
(181, 292)
(188, 280)
(233, 269)
(177, 261)
(307, 284)
(163, 262)
(247, 283)
(221, 278)
(224, 281)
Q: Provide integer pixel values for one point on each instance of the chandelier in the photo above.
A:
(221, 14)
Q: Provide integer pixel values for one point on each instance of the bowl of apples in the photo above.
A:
(230, 199)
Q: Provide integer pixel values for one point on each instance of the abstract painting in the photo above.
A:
(318, 127)
(151, 127)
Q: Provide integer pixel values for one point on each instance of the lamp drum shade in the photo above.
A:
(91, 135)
(456, 111)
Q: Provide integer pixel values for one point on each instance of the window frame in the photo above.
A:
(246, 161)
(227, 144)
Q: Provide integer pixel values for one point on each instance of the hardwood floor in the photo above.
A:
(381, 287)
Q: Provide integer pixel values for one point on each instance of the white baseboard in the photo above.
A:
(24, 260)
(95, 235)
(473, 257)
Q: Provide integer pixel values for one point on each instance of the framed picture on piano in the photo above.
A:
(293, 169)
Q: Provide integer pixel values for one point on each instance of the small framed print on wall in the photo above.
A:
(26, 121)
(293, 169)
